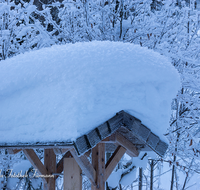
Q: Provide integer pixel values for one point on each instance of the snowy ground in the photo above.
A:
(62, 92)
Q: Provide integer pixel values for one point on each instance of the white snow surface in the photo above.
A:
(114, 178)
(118, 176)
(62, 92)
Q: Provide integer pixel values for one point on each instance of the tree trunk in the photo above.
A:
(121, 18)
(140, 179)
(151, 177)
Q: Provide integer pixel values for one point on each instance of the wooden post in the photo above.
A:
(50, 165)
(72, 175)
(60, 164)
(98, 162)
(85, 166)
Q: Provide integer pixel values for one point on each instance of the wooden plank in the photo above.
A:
(152, 140)
(130, 121)
(104, 130)
(50, 165)
(98, 162)
(93, 137)
(113, 161)
(85, 165)
(82, 144)
(161, 148)
(135, 125)
(60, 164)
(128, 145)
(13, 151)
(72, 175)
(143, 132)
(130, 136)
(36, 163)
(116, 122)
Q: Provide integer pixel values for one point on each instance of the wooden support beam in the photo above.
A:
(60, 164)
(36, 163)
(64, 150)
(98, 162)
(85, 165)
(88, 153)
(57, 150)
(72, 175)
(50, 165)
(13, 151)
(128, 145)
(113, 161)
(110, 139)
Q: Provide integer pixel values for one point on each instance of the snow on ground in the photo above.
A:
(118, 177)
(62, 92)
(19, 172)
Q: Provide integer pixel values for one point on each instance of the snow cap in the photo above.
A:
(64, 91)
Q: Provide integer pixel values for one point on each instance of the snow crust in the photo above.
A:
(62, 92)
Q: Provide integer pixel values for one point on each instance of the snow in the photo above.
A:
(19, 169)
(114, 178)
(129, 178)
(62, 92)
(24, 170)
(4, 8)
(141, 161)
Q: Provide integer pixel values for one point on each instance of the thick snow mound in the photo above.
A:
(62, 92)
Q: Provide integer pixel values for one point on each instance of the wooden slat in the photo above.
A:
(85, 165)
(98, 162)
(93, 137)
(116, 121)
(60, 164)
(104, 130)
(36, 163)
(136, 127)
(114, 160)
(128, 145)
(152, 140)
(50, 165)
(72, 175)
(14, 151)
(81, 144)
(161, 148)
